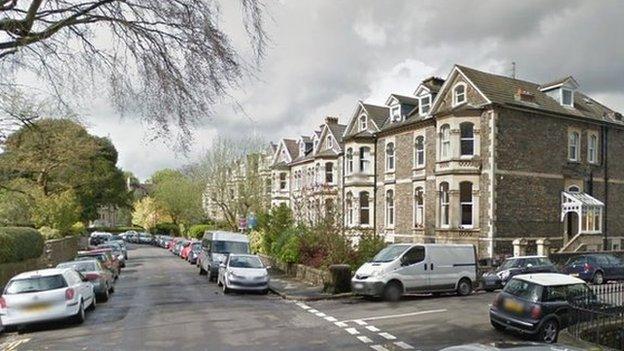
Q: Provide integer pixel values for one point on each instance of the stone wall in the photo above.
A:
(307, 274)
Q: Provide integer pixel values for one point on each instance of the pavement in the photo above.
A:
(162, 303)
(292, 289)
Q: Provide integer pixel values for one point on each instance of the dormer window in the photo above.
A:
(424, 105)
(363, 123)
(330, 142)
(459, 94)
(567, 97)
(395, 113)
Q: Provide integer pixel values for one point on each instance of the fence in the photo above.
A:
(598, 316)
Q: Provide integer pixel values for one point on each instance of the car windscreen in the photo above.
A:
(390, 253)
(84, 266)
(100, 257)
(508, 264)
(197, 246)
(543, 261)
(577, 261)
(35, 284)
(229, 247)
(245, 262)
(524, 290)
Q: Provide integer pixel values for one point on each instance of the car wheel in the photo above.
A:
(265, 292)
(392, 292)
(80, 316)
(202, 271)
(226, 290)
(106, 295)
(549, 331)
(598, 278)
(93, 304)
(464, 287)
(112, 289)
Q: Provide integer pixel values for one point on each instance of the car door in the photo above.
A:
(414, 272)
(610, 271)
(617, 266)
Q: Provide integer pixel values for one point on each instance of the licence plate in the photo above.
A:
(513, 306)
(358, 285)
(37, 308)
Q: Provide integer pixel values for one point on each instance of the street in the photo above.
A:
(162, 303)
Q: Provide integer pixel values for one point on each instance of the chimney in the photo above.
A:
(331, 120)
(523, 95)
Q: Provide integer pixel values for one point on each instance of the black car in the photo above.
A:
(539, 304)
(514, 266)
(595, 268)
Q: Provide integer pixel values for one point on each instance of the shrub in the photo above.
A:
(274, 224)
(290, 250)
(19, 243)
(256, 242)
(369, 245)
(197, 231)
(167, 229)
(78, 229)
(325, 244)
(50, 233)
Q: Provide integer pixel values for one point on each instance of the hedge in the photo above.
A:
(167, 229)
(114, 229)
(19, 243)
(197, 231)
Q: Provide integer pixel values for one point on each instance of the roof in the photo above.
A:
(549, 279)
(327, 153)
(559, 82)
(403, 99)
(582, 198)
(531, 256)
(377, 113)
(42, 272)
(292, 147)
(434, 84)
(337, 130)
(306, 139)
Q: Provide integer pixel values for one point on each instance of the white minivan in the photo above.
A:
(417, 268)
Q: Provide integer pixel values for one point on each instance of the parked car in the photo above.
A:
(186, 249)
(196, 249)
(145, 238)
(105, 256)
(595, 268)
(511, 346)
(215, 248)
(514, 266)
(180, 244)
(243, 272)
(408, 268)
(539, 304)
(173, 243)
(116, 250)
(101, 278)
(97, 238)
(119, 240)
(45, 295)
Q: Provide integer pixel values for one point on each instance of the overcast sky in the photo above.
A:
(326, 55)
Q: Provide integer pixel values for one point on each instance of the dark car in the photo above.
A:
(595, 268)
(196, 249)
(539, 304)
(514, 266)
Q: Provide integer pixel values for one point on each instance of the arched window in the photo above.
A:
(329, 173)
(419, 151)
(363, 123)
(349, 160)
(349, 208)
(364, 159)
(459, 94)
(592, 149)
(364, 208)
(330, 142)
(465, 201)
(574, 189)
(282, 182)
(419, 208)
(390, 157)
(466, 138)
(390, 208)
(444, 204)
(445, 141)
(573, 146)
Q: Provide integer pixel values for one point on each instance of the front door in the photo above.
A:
(414, 271)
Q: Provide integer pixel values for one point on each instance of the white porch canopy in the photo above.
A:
(588, 208)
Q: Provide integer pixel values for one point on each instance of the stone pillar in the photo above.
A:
(519, 247)
(454, 208)
(543, 246)
(455, 143)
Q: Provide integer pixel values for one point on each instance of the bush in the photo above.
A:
(50, 233)
(290, 250)
(369, 245)
(19, 243)
(325, 244)
(78, 229)
(256, 242)
(197, 231)
(167, 229)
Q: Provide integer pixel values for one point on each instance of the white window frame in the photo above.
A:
(330, 142)
(444, 206)
(445, 142)
(571, 104)
(420, 151)
(349, 206)
(283, 182)
(364, 164)
(390, 158)
(592, 150)
(395, 118)
(574, 156)
(329, 173)
(363, 122)
(390, 208)
(456, 96)
(419, 207)
(421, 104)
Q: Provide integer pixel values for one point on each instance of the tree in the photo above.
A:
(147, 213)
(178, 195)
(169, 60)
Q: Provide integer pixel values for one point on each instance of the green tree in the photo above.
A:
(178, 195)
(147, 213)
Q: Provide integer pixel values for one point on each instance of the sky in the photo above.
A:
(325, 55)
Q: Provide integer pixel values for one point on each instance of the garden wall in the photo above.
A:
(307, 274)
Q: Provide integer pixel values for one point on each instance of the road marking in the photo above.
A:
(313, 311)
(352, 331)
(303, 305)
(330, 319)
(340, 324)
(396, 315)
(365, 339)
(387, 336)
(360, 322)
(320, 314)
(404, 345)
(372, 328)
(378, 348)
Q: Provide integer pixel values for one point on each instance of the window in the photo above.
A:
(567, 98)
(329, 172)
(363, 123)
(419, 208)
(330, 142)
(395, 113)
(364, 208)
(465, 201)
(414, 255)
(419, 151)
(424, 105)
(349, 160)
(364, 159)
(390, 157)
(574, 189)
(573, 146)
(467, 138)
(592, 149)
(349, 208)
(444, 204)
(390, 208)
(459, 94)
(445, 141)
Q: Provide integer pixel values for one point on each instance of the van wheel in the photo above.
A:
(464, 287)
(549, 331)
(392, 292)
(598, 278)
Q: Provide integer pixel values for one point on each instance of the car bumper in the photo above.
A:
(521, 325)
(55, 313)
(248, 285)
(367, 287)
(488, 283)
(586, 276)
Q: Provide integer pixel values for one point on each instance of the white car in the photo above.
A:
(44, 295)
(243, 272)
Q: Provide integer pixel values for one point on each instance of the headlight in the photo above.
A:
(503, 275)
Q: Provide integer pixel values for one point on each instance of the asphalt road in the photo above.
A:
(161, 303)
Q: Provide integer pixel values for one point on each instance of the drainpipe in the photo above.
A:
(605, 160)
(375, 185)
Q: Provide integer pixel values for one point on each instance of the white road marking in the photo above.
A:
(313, 311)
(403, 345)
(378, 348)
(365, 339)
(387, 336)
(372, 328)
(396, 315)
(330, 319)
(303, 305)
(340, 324)
(352, 331)
(360, 322)
(320, 314)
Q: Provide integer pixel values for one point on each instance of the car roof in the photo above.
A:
(549, 279)
(228, 236)
(243, 255)
(42, 272)
(93, 260)
(531, 256)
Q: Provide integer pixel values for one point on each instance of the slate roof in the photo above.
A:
(292, 148)
(557, 82)
(337, 130)
(327, 153)
(407, 100)
(434, 84)
(379, 114)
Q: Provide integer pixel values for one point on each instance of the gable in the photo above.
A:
(444, 100)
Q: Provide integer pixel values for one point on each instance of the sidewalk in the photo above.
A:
(289, 288)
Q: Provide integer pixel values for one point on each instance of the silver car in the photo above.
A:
(44, 295)
(243, 272)
(101, 278)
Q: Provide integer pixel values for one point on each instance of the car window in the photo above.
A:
(389, 253)
(543, 261)
(577, 261)
(556, 293)
(601, 260)
(523, 289)
(508, 264)
(579, 291)
(35, 284)
(531, 262)
(79, 266)
(614, 260)
(414, 255)
(245, 262)
(230, 247)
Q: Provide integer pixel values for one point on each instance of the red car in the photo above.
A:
(188, 246)
(105, 256)
(172, 243)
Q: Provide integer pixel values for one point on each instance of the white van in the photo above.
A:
(417, 268)
(216, 245)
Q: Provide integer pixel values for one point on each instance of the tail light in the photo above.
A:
(92, 276)
(2, 303)
(536, 312)
(587, 267)
(69, 294)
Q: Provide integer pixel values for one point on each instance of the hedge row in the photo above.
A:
(19, 243)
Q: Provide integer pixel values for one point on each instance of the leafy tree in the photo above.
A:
(178, 196)
(147, 213)
(59, 211)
